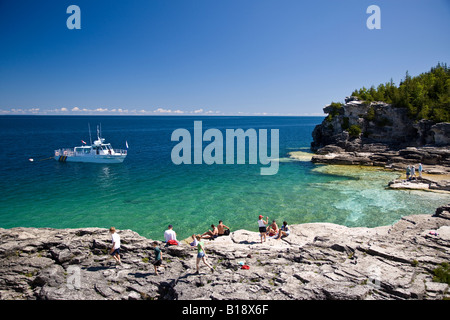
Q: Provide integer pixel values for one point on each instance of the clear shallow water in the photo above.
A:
(147, 192)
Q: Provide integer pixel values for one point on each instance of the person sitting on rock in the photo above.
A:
(221, 227)
(284, 230)
(273, 229)
(211, 235)
(170, 235)
(194, 242)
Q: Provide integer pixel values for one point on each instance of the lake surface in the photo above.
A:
(148, 191)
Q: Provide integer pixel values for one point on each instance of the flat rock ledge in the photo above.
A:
(317, 261)
(426, 184)
(435, 160)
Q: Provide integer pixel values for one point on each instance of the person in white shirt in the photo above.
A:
(262, 227)
(169, 234)
(115, 248)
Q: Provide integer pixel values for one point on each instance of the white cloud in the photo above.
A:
(161, 110)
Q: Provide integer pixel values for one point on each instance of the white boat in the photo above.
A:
(97, 152)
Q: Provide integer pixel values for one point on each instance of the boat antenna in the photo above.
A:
(90, 137)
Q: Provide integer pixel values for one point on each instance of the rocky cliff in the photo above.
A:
(355, 125)
(317, 261)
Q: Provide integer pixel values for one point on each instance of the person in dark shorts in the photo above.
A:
(115, 248)
(221, 227)
(158, 256)
(262, 227)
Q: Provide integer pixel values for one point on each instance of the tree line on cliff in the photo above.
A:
(426, 96)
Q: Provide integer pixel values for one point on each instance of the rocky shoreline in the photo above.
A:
(317, 261)
(379, 134)
(436, 176)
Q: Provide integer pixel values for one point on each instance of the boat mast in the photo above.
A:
(90, 137)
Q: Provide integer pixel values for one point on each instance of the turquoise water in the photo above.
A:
(147, 192)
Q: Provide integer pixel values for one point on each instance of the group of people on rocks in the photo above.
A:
(411, 172)
(272, 230)
(170, 238)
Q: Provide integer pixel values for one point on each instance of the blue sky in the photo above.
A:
(274, 57)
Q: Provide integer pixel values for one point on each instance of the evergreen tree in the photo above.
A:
(426, 96)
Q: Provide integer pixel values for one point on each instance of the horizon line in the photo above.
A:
(157, 115)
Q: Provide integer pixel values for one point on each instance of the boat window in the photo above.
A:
(83, 150)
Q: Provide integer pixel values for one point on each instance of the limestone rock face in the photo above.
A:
(441, 133)
(380, 123)
(316, 261)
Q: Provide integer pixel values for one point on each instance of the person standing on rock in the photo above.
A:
(413, 172)
(201, 254)
(262, 227)
(420, 170)
(115, 248)
(408, 172)
(158, 256)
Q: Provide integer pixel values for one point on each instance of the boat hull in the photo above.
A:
(93, 159)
